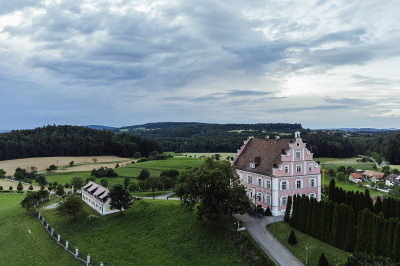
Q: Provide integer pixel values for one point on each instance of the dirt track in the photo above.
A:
(44, 162)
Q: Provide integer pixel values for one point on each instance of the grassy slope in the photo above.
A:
(315, 247)
(17, 246)
(151, 232)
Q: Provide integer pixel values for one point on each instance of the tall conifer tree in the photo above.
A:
(332, 186)
(396, 244)
(378, 205)
(350, 231)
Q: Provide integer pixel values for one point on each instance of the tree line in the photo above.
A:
(350, 221)
(72, 141)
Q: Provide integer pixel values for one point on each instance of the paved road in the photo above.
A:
(257, 228)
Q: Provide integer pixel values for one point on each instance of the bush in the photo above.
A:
(340, 176)
(323, 261)
(292, 238)
(268, 212)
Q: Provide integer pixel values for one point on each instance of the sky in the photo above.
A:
(324, 64)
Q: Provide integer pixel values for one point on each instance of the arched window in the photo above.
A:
(311, 195)
(259, 197)
(267, 183)
(299, 183)
(311, 182)
(259, 182)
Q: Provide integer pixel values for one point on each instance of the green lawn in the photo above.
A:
(19, 246)
(131, 170)
(315, 247)
(334, 163)
(150, 194)
(151, 232)
(209, 154)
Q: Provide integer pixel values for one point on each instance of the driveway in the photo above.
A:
(274, 249)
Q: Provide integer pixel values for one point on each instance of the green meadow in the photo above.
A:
(131, 170)
(315, 247)
(23, 240)
(151, 232)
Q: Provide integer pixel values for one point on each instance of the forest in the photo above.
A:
(201, 137)
(72, 141)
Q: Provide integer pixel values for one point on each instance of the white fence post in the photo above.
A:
(101, 264)
(88, 259)
(52, 231)
(76, 252)
(58, 238)
(66, 245)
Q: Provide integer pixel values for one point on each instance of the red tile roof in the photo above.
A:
(370, 173)
(266, 153)
(356, 175)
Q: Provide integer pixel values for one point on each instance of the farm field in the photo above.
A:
(151, 232)
(22, 247)
(336, 162)
(6, 184)
(315, 247)
(44, 162)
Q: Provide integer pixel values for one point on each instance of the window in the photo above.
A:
(259, 182)
(267, 183)
(259, 197)
(252, 165)
(268, 199)
(283, 200)
(312, 182)
(284, 185)
(310, 168)
(299, 183)
(240, 176)
(250, 179)
(312, 195)
(286, 169)
(298, 154)
(298, 168)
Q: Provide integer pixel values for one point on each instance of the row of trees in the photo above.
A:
(72, 141)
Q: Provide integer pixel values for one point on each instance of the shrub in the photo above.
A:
(268, 212)
(323, 261)
(292, 238)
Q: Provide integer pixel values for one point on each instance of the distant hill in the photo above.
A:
(361, 129)
(98, 127)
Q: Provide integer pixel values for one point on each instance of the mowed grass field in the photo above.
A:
(23, 240)
(315, 247)
(131, 170)
(151, 232)
(209, 154)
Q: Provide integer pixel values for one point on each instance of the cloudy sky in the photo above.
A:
(117, 63)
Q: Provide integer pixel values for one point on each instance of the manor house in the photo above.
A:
(97, 198)
(273, 169)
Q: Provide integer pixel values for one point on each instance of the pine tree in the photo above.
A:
(396, 244)
(350, 231)
(377, 240)
(362, 239)
(268, 212)
(292, 238)
(332, 186)
(393, 202)
(288, 209)
(386, 207)
(368, 201)
(322, 260)
(335, 225)
(384, 240)
(310, 217)
(295, 211)
(378, 205)
(392, 227)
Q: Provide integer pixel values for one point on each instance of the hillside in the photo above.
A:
(203, 137)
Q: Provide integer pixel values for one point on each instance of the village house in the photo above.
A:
(97, 198)
(392, 180)
(273, 169)
(355, 177)
(372, 176)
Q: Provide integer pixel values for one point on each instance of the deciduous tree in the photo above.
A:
(20, 187)
(212, 186)
(70, 206)
(120, 198)
(77, 182)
